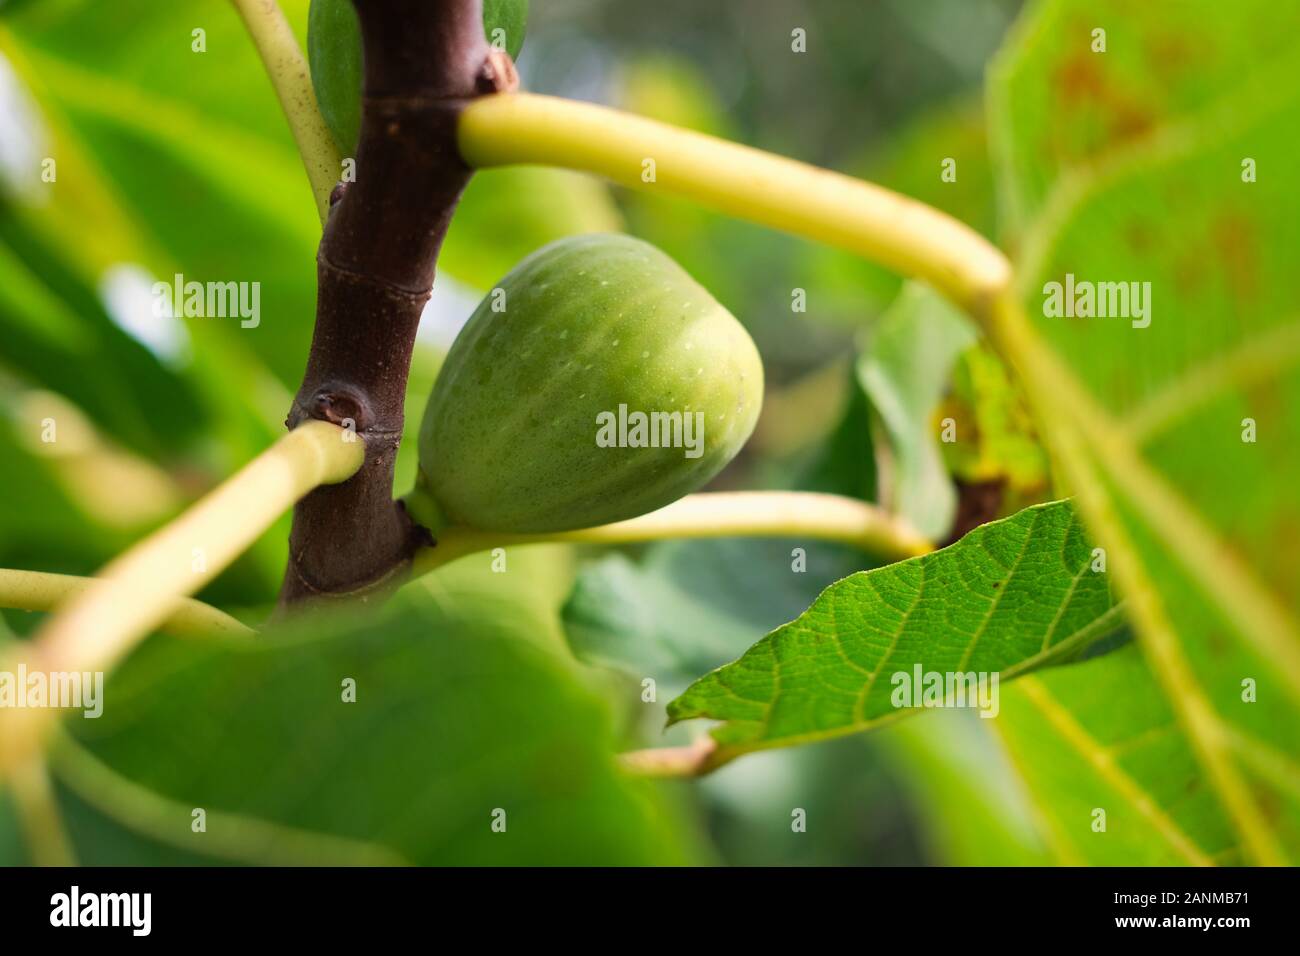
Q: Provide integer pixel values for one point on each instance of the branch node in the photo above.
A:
(497, 74)
(341, 405)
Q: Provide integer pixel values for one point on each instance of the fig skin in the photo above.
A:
(509, 437)
(334, 55)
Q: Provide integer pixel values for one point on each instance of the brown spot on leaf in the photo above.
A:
(1236, 246)
(1082, 86)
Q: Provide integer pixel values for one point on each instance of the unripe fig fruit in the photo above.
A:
(597, 382)
(334, 54)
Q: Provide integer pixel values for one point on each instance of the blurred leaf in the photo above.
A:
(852, 786)
(909, 161)
(520, 591)
(1055, 105)
(1200, 517)
(267, 231)
(975, 811)
(12, 847)
(1011, 596)
(34, 509)
(845, 463)
(453, 720)
(151, 138)
(57, 334)
(1100, 736)
(753, 272)
(508, 213)
(690, 606)
(998, 440)
(904, 370)
(169, 161)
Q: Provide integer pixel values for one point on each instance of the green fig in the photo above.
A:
(598, 381)
(334, 55)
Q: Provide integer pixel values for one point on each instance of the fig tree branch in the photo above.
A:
(423, 60)
(731, 514)
(287, 68)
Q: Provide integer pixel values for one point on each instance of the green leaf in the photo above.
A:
(152, 138)
(58, 334)
(511, 18)
(1056, 106)
(1010, 596)
(1099, 736)
(456, 716)
(1176, 423)
(904, 370)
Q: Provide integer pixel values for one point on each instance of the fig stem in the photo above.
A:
(861, 217)
(691, 760)
(45, 591)
(137, 591)
(723, 514)
(290, 76)
(42, 824)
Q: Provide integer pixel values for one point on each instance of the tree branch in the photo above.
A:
(423, 61)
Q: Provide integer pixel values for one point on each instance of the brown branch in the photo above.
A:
(424, 60)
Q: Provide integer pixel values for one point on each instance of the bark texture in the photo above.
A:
(423, 60)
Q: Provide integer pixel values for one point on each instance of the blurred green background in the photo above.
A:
(475, 684)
